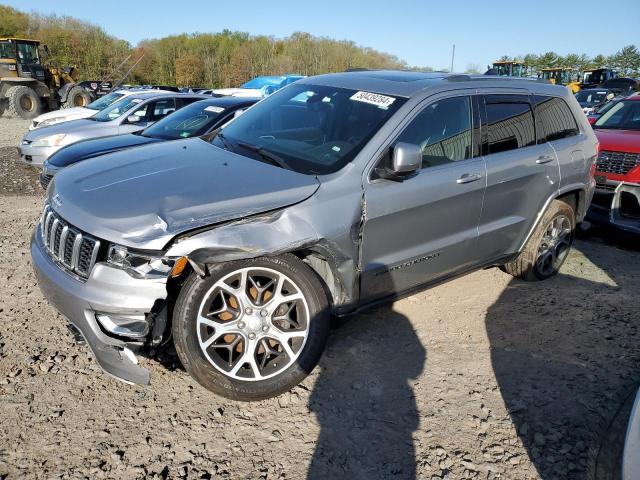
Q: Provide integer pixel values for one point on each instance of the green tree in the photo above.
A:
(13, 23)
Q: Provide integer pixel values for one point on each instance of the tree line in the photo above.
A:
(221, 59)
(626, 61)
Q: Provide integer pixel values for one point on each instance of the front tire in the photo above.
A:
(253, 328)
(548, 246)
(23, 102)
(77, 97)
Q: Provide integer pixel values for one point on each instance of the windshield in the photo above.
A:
(260, 82)
(307, 128)
(104, 102)
(591, 97)
(7, 50)
(624, 115)
(116, 109)
(190, 121)
(27, 53)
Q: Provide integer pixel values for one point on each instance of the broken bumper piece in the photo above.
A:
(110, 295)
(625, 207)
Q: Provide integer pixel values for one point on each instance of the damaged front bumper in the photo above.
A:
(618, 206)
(109, 294)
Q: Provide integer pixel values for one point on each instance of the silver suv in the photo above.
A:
(332, 194)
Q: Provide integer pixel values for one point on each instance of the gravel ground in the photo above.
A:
(482, 377)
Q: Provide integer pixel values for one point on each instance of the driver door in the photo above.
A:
(426, 226)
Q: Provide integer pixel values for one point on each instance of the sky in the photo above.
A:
(420, 32)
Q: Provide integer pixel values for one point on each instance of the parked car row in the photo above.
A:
(236, 237)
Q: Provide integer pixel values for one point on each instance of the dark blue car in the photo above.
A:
(193, 120)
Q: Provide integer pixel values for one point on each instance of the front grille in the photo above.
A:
(71, 248)
(45, 180)
(619, 163)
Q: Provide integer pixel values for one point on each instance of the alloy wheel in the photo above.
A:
(253, 323)
(554, 246)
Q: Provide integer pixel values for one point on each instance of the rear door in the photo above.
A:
(426, 226)
(556, 125)
(521, 173)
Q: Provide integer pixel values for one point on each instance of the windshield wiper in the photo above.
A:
(272, 158)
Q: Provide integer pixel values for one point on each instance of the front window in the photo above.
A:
(116, 109)
(27, 53)
(104, 102)
(624, 115)
(7, 50)
(310, 129)
(191, 121)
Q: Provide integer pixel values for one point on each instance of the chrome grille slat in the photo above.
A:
(72, 249)
(618, 163)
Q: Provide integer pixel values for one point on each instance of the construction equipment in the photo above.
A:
(597, 76)
(562, 76)
(26, 83)
(508, 69)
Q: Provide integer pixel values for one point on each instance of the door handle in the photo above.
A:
(545, 159)
(468, 178)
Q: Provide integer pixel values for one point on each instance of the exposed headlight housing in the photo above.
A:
(144, 265)
(50, 141)
(52, 121)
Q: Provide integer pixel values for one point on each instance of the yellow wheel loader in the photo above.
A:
(27, 84)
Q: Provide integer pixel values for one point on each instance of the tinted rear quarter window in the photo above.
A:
(509, 123)
(554, 119)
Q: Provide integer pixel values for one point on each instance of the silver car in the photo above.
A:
(330, 195)
(130, 114)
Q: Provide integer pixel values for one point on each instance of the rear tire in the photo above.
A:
(77, 97)
(23, 102)
(548, 247)
(230, 327)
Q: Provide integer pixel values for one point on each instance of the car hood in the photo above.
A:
(72, 113)
(144, 196)
(96, 146)
(80, 127)
(619, 140)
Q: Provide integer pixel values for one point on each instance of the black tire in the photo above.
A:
(185, 330)
(3, 106)
(526, 266)
(23, 102)
(77, 97)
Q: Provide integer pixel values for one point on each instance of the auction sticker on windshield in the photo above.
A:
(373, 98)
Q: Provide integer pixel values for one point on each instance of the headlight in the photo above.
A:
(50, 141)
(143, 265)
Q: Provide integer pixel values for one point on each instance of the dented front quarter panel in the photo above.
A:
(327, 224)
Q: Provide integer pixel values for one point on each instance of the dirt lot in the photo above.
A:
(483, 377)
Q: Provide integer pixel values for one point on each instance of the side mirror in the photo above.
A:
(133, 119)
(407, 158)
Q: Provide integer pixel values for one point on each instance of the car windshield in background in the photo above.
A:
(590, 97)
(191, 121)
(307, 128)
(116, 109)
(624, 115)
(104, 102)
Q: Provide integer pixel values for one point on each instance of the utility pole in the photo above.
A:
(453, 55)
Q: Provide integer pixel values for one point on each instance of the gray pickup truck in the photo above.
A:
(333, 194)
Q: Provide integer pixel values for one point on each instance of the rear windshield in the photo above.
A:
(591, 97)
(307, 128)
(190, 121)
(104, 102)
(624, 115)
(116, 109)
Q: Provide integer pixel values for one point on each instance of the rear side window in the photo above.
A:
(443, 130)
(554, 119)
(509, 123)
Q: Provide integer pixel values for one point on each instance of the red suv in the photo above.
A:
(618, 166)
